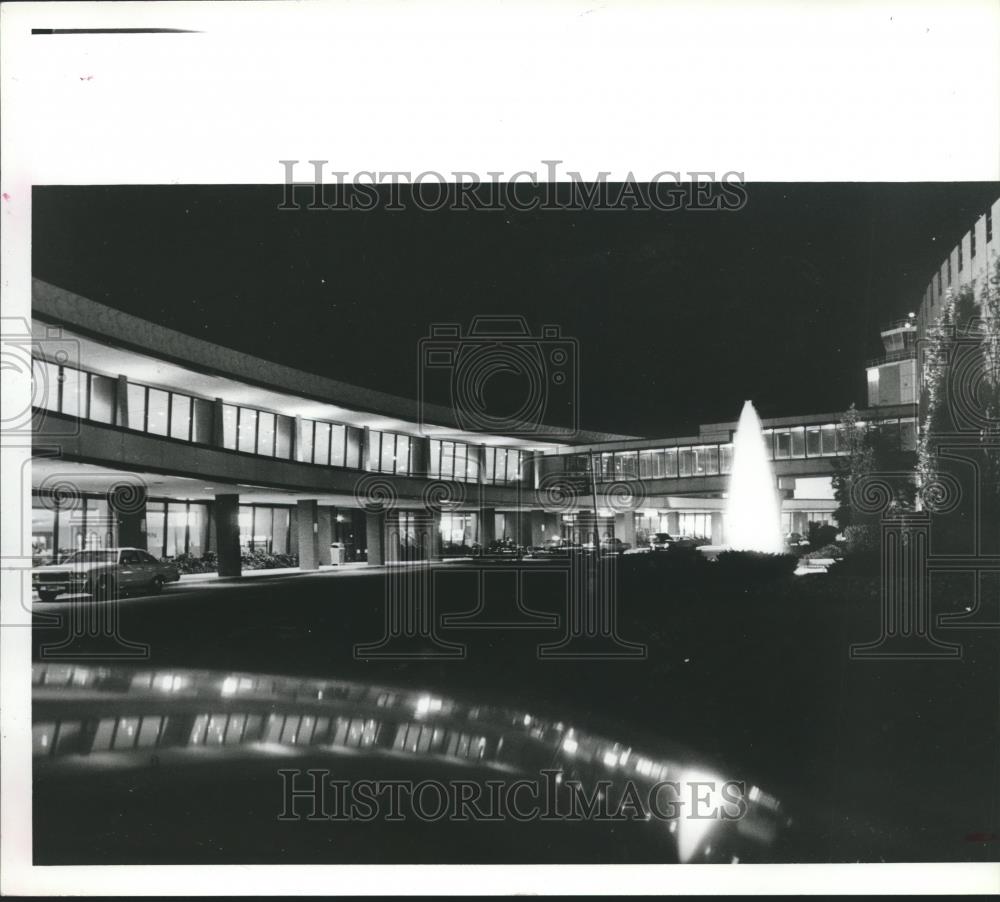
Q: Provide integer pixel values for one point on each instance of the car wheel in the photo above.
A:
(47, 597)
(156, 586)
(102, 589)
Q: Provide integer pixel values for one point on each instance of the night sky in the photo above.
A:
(680, 315)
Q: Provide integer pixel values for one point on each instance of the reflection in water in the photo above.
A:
(118, 716)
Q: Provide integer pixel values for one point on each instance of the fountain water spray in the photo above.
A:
(753, 511)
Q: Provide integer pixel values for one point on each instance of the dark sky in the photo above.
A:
(680, 315)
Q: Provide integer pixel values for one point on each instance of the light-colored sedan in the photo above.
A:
(103, 573)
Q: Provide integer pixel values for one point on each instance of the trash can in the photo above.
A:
(338, 553)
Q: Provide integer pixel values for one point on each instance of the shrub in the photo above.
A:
(674, 560)
(861, 538)
(827, 551)
(259, 559)
(821, 534)
(188, 563)
(755, 566)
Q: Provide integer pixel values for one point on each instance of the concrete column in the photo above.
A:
(324, 534)
(435, 536)
(218, 433)
(366, 438)
(121, 405)
(625, 527)
(539, 531)
(524, 528)
(297, 443)
(717, 531)
(673, 522)
(293, 532)
(481, 457)
(528, 471)
(307, 527)
(128, 508)
(487, 526)
(391, 538)
(227, 534)
(375, 529)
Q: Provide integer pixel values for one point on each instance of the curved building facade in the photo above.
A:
(894, 377)
(146, 437)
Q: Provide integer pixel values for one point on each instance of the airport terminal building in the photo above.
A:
(151, 438)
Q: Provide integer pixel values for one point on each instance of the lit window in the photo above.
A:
(306, 451)
(127, 733)
(45, 391)
(337, 448)
(157, 411)
(829, 439)
(201, 423)
(229, 419)
(149, 732)
(248, 430)
(670, 462)
(180, 417)
(102, 399)
(74, 392)
(42, 736)
(265, 433)
(321, 443)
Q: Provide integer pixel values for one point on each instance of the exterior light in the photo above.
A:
(427, 704)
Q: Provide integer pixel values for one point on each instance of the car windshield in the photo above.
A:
(92, 557)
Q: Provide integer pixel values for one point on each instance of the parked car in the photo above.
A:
(103, 573)
(554, 546)
(611, 545)
(795, 540)
(661, 541)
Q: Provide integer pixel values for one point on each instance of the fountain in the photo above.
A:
(753, 510)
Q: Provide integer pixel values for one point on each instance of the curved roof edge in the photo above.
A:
(98, 321)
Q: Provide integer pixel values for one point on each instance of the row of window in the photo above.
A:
(460, 462)
(90, 396)
(455, 461)
(330, 444)
(256, 431)
(972, 252)
(792, 443)
(390, 452)
(77, 393)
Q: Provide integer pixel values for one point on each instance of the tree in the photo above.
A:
(959, 447)
(872, 456)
